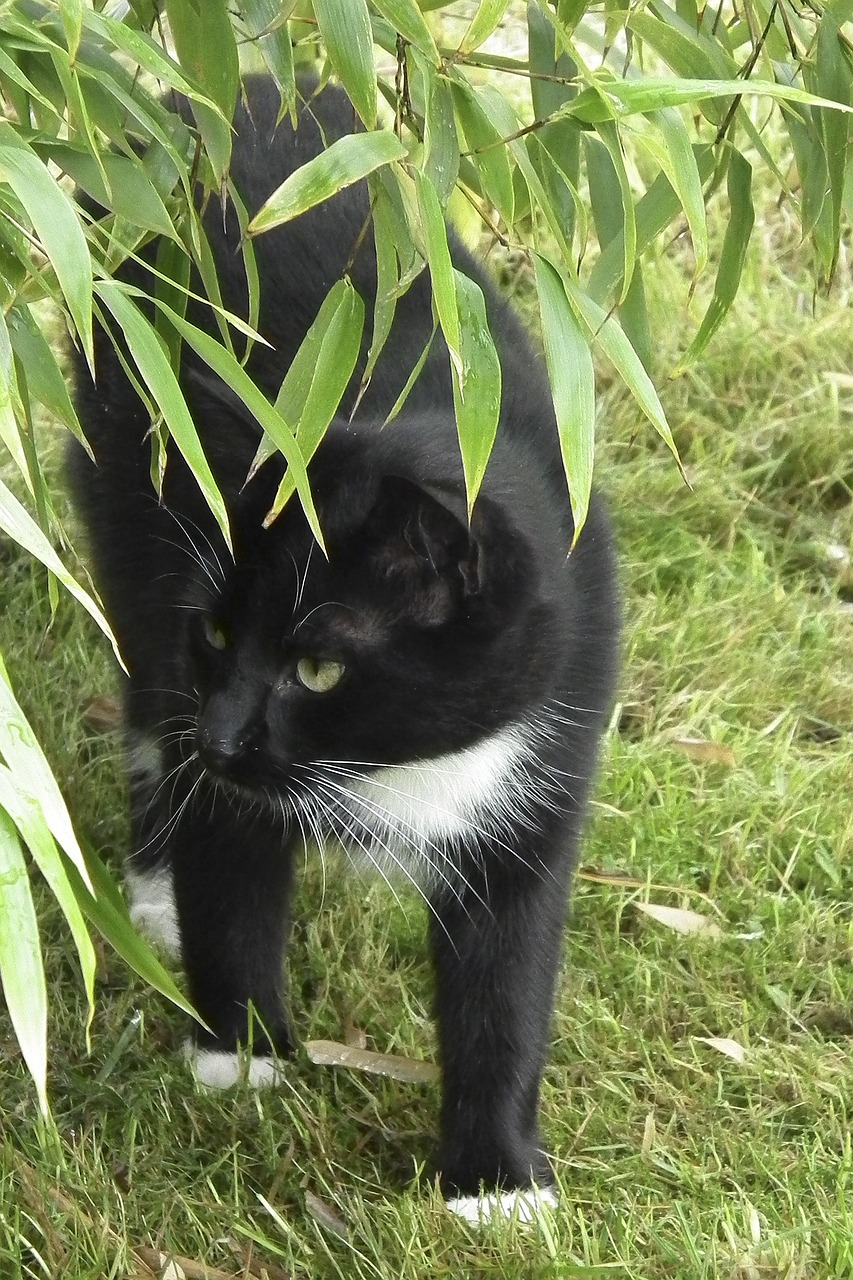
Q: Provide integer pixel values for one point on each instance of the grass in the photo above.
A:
(674, 1159)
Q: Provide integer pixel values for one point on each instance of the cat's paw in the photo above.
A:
(151, 902)
(222, 1068)
(523, 1205)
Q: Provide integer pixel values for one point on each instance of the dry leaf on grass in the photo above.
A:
(328, 1053)
(723, 1044)
(681, 920)
(327, 1217)
(705, 752)
(102, 714)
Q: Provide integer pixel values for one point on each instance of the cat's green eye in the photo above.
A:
(214, 634)
(319, 675)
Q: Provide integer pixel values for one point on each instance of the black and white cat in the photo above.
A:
(431, 696)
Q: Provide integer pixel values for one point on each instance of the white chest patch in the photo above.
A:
(412, 818)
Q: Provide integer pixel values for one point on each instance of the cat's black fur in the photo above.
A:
(451, 638)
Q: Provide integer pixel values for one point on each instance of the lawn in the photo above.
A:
(699, 1090)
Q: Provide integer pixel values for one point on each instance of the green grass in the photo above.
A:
(674, 1160)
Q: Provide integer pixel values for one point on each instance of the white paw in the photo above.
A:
(522, 1206)
(219, 1069)
(152, 909)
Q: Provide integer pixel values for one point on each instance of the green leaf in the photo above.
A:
(152, 361)
(131, 193)
(613, 99)
(412, 378)
(605, 331)
(609, 136)
(16, 521)
(346, 161)
(56, 224)
(205, 45)
(683, 172)
(832, 78)
(483, 23)
(10, 432)
(406, 17)
(105, 908)
(25, 758)
(261, 18)
(45, 380)
(387, 280)
(229, 369)
(655, 211)
(572, 377)
(488, 152)
(560, 140)
(71, 14)
(441, 271)
(25, 812)
(347, 36)
(441, 144)
(478, 402)
(21, 967)
(732, 257)
(332, 344)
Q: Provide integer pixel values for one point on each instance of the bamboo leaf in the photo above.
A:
(832, 78)
(487, 152)
(152, 361)
(23, 755)
(205, 45)
(605, 330)
(387, 281)
(560, 141)
(229, 369)
(131, 193)
(483, 23)
(732, 257)
(262, 20)
(21, 967)
(612, 99)
(478, 403)
(71, 14)
(346, 161)
(572, 378)
(406, 17)
(335, 348)
(10, 432)
(17, 523)
(25, 812)
(655, 211)
(56, 224)
(348, 39)
(104, 907)
(441, 144)
(683, 174)
(440, 270)
(609, 136)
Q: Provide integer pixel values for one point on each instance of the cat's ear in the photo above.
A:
(424, 532)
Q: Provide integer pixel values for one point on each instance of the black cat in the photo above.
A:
(432, 695)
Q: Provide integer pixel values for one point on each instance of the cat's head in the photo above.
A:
(409, 640)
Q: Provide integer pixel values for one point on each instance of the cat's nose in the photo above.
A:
(219, 754)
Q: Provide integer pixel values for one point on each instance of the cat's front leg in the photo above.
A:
(496, 949)
(232, 871)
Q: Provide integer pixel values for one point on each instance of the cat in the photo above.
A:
(431, 694)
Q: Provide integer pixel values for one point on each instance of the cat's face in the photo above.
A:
(406, 643)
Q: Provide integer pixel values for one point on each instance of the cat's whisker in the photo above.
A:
(300, 591)
(418, 846)
(490, 836)
(331, 816)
